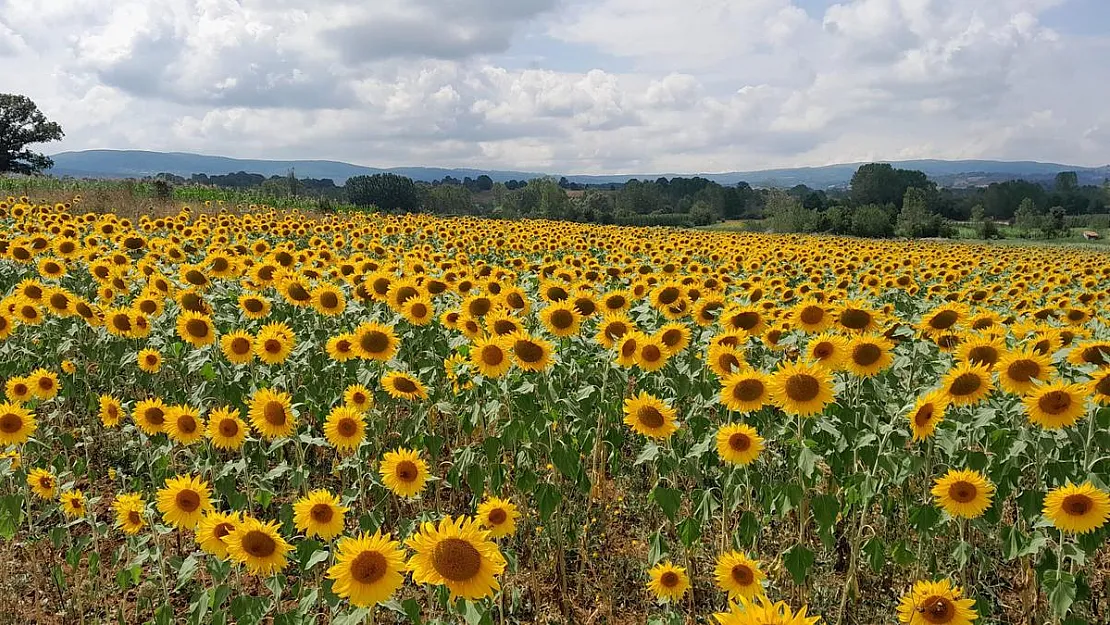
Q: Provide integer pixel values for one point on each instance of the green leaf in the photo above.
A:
(649, 453)
(207, 372)
(807, 461)
(669, 499)
(689, 530)
(565, 459)
(186, 572)
(875, 552)
(547, 499)
(11, 515)
(798, 560)
(825, 510)
(923, 518)
(354, 617)
(412, 610)
(316, 558)
(1060, 588)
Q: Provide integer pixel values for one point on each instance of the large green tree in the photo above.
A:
(388, 192)
(23, 124)
(880, 183)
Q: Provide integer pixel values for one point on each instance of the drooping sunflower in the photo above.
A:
(926, 414)
(226, 428)
(150, 416)
(238, 347)
(184, 500)
(739, 575)
(110, 410)
(404, 472)
(345, 428)
(43, 383)
(745, 391)
(374, 341)
(274, 343)
(401, 385)
(319, 514)
(1019, 371)
(43, 483)
(967, 384)
(490, 356)
(358, 397)
(868, 355)
(150, 360)
(498, 516)
(271, 413)
(963, 493)
(184, 425)
(1056, 405)
(213, 529)
(342, 348)
(196, 329)
(801, 388)
(129, 509)
(368, 569)
(667, 581)
(17, 424)
(1077, 509)
(457, 554)
(828, 350)
(761, 611)
(650, 416)
(73, 503)
(561, 319)
(258, 546)
(739, 443)
(936, 603)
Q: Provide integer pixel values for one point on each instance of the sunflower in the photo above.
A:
(457, 554)
(196, 329)
(1020, 370)
(73, 504)
(612, 327)
(129, 509)
(43, 383)
(184, 425)
(868, 355)
(150, 360)
(628, 347)
(258, 546)
(1056, 405)
(936, 603)
(857, 317)
(561, 319)
(828, 350)
(810, 316)
(738, 443)
(1090, 353)
(319, 514)
(404, 472)
(650, 416)
(739, 575)
(418, 311)
(368, 569)
(6, 325)
(745, 390)
(226, 428)
(725, 360)
(963, 493)
(801, 389)
(944, 319)
(345, 428)
(967, 384)
(342, 348)
(183, 501)
(17, 424)
(401, 385)
(1099, 387)
(358, 397)
(985, 351)
(667, 581)
(748, 320)
(43, 483)
(374, 341)
(274, 343)
(926, 414)
(328, 300)
(238, 347)
(651, 353)
(490, 356)
(498, 516)
(1077, 509)
(150, 416)
(213, 529)
(254, 306)
(271, 413)
(18, 390)
(762, 612)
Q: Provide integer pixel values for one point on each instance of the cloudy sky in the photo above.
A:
(571, 86)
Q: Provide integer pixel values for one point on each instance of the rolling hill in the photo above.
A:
(138, 164)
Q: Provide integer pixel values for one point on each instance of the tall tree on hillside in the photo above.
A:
(22, 124)
(1066, 182)
(880, 183)
(388, 192)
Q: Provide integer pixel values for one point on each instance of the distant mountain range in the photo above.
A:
(138, 164)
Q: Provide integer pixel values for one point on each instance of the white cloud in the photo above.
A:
(653, 85)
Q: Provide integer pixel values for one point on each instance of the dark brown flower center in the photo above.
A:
(650, 417)
(253, 305)
(740, 442)
(1054, 402)
(562, 319)
(274, 413)
(404, 385)
(259, 544)
(272, 346)
(374, 342)
(155, 416)
(812, 315)
(186, 424)
(746, 320)
(492, 355)
(228, 428)
(10, 423)
(1077, 505)
(528, 351)
(1023, 370)
(456, 560)
(855, 319)
(802, 387)
(965, 384)
(197, 328)
(222, 529)
(748, 390)
(368, 567)
(407, 471)
(924, 415)
(962, 492)
(866, 354)
(187, 501)
(669, 295)
(743, 575)
(669, 579)
(241, 346)
(944, 320)
(983, 355)
(133, 517)
(322, 513)
(329, 300)
(497, 516)
(651, 353)
(938, 610)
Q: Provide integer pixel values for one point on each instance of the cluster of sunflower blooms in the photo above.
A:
(778, 327)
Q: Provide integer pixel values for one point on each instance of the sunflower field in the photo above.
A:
(263, 416)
